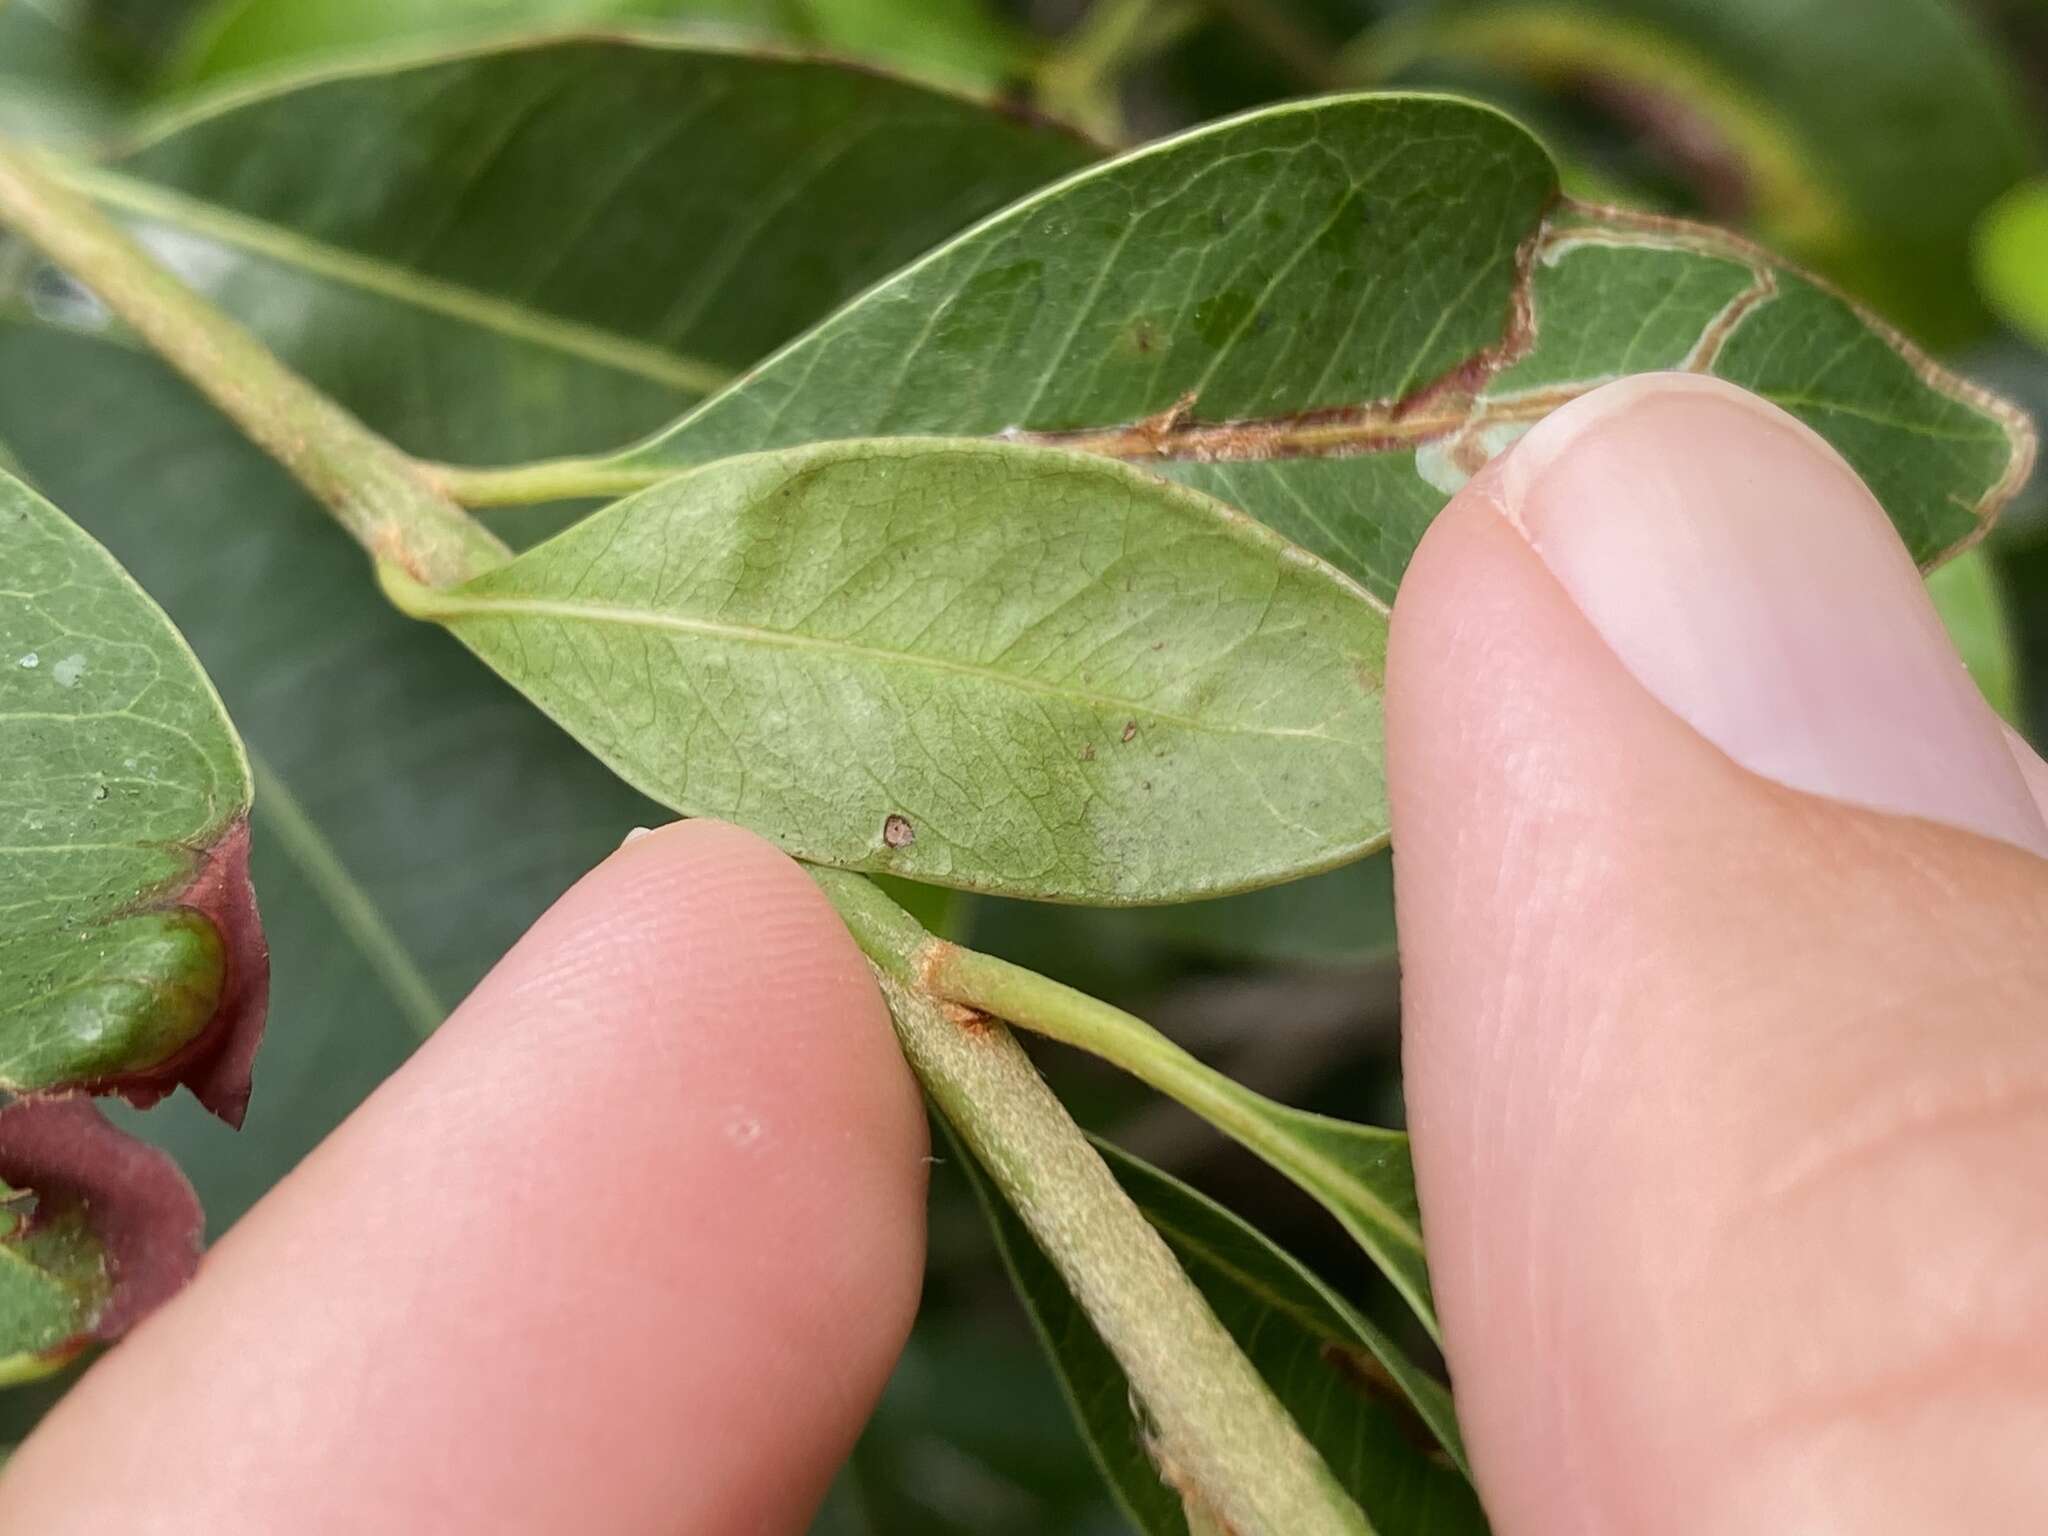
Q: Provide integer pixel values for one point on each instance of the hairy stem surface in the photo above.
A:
(1219, 1434)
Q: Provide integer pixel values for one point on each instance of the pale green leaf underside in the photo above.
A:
(1338, 1375)
(1330, 314)
(122, 771)
(975, 664)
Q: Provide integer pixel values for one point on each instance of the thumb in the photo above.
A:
(1725, 939)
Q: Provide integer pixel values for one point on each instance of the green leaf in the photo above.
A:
(1362, 1175)
(1381, 1423)
(130, 954)
(951, 39)
(1330, 314)
(1966, 592)
(1864, 136)
(390, 883)
(413, 816)
(975, 664)
(2012, 259)
(53, 1283)
(532, 248)
(1210, 1239)
(96, 1231)
(235, 37)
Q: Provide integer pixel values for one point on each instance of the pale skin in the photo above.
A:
(1725, 937)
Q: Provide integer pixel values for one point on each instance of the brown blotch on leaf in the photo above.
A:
(1088, 752)
(1130, 729)
(136, 1202)
(218, 1062)
(897, 831)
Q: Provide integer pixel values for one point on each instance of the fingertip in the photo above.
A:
(649, 1207)
(1724, 1093)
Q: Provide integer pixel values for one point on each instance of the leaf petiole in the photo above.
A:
(516, 485)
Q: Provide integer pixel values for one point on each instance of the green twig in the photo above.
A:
(1219, 1434)
(1292, 1141)
(375, 491)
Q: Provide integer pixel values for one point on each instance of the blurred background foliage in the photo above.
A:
(413, 816)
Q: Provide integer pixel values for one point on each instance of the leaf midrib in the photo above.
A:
(454, 607)
(369, 274)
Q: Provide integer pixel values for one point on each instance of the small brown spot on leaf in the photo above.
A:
(897, 831)
(1130, 729)
(1088, 752)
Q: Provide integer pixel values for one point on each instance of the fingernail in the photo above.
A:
(1743, 573)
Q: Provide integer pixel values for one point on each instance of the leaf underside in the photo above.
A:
(976, 664)
(1329, 315)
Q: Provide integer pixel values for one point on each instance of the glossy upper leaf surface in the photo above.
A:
(1330, 314)
(962, 40)
(126, 933)
(547, 245)
(976, 664)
